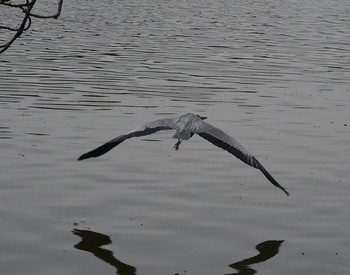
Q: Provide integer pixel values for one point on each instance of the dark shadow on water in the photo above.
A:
(92, 242)
(267, 250)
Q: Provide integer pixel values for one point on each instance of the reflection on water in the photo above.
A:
(92, 241)
(267, 250)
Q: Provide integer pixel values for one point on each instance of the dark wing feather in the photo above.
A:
(143, 131)
(232, 146)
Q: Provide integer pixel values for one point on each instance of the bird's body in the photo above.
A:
(185, 127)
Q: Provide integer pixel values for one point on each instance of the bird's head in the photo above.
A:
(202, 117)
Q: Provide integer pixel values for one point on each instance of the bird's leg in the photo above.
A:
(177, 144)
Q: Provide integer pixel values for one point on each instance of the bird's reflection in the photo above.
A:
(92, 242)
(267, 250)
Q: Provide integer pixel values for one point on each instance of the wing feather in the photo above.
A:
(228, 143)
(147, 129)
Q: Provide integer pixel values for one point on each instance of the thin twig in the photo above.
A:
(26, 21)
(55, 16)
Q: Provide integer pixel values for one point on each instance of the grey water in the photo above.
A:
(273, 74)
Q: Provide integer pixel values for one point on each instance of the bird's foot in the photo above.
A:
(177, 145)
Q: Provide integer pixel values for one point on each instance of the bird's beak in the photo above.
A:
(202, 117)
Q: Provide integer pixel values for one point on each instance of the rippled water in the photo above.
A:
(274, 74)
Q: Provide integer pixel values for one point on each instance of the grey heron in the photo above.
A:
(185, 127)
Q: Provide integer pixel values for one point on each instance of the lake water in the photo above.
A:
(273, 74)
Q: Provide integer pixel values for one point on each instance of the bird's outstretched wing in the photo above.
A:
(147, 129)
(228, 143)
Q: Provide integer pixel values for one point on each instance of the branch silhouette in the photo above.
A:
(26, 6)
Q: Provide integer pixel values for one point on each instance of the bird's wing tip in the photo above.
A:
(82, 157)
(284, 190)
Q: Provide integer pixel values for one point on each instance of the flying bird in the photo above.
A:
(185, 127)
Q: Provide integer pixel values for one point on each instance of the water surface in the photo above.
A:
(274, 74)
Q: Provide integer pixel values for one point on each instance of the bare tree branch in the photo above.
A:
(55, 16)
(26, 7)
